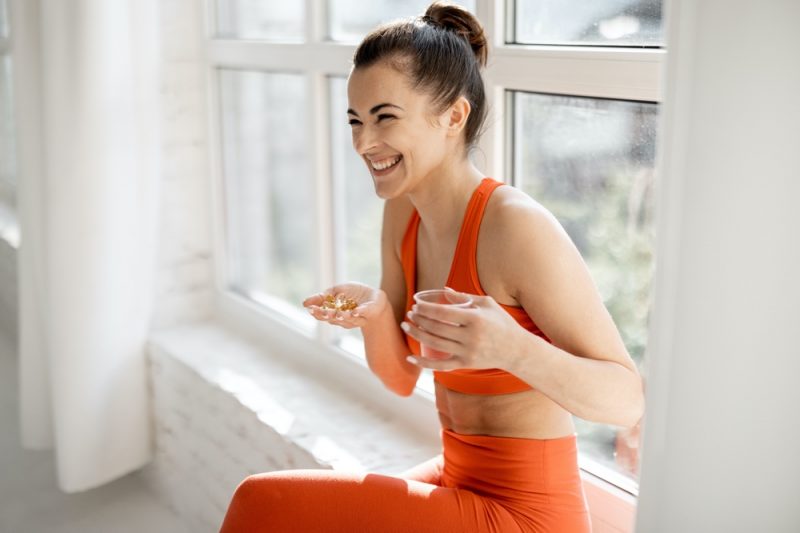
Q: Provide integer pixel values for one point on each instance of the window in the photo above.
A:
(573, 111)
(357, 224)
(350, 20)
(574, 22)
(8, 156)
(271, 20)
(591, 162)
(270, 239)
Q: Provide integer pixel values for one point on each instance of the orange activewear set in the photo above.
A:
(479, 483)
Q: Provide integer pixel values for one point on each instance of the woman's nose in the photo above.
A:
(364, 140)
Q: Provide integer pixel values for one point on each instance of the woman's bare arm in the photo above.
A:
(587, 369)
(384, 341)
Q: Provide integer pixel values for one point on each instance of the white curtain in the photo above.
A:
(87, 105)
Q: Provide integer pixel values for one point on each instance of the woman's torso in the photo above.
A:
(526, 414)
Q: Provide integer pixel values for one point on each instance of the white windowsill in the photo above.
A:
(322, 401)
(331, 423)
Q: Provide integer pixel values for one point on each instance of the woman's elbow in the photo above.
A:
(635, 408)
(629, 410)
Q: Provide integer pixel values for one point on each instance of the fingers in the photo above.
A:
(446, 330)
(453, 316)
(431, 340)
(442, 365)
(345, 319)
(315, 299)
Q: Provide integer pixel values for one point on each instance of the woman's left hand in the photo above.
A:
(481, 336)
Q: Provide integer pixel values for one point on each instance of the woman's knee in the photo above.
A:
(258, 487)
(254, 503)
(257, 490)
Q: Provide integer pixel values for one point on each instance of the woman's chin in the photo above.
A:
(386, 189)
(383, 192)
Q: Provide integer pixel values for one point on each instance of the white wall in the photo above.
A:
(185, 280)
(722, 430)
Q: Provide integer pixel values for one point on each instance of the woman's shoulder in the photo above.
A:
(520, 242)
(513, 212)
(517, 232)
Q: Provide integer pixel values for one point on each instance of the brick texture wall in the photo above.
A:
(206, 443)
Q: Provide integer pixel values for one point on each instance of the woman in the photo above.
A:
(535, 347)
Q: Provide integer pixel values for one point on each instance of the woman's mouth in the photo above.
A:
(384, 166)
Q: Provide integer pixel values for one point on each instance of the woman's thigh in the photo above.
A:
(331, 501)
(429, 471)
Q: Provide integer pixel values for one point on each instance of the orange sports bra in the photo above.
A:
(463, 277)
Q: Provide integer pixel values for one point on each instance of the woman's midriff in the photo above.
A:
(527, 414)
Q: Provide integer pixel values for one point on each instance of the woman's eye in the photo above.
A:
(381, 117)
(353, 122)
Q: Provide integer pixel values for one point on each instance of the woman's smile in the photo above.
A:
(385, 166)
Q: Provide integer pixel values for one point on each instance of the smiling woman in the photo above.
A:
(523, 359)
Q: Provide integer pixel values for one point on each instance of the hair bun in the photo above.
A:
(455, 18)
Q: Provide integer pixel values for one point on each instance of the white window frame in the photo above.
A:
(602, 72)
(7, 188)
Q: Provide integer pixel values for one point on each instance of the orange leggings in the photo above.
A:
(479, 483)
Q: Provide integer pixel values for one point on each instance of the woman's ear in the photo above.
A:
(458, 115)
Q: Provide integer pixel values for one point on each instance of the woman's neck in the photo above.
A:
(441, 198)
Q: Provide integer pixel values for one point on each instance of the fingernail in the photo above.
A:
(411, 359)
(404, 326)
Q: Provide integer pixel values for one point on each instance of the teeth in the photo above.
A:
(385, 164)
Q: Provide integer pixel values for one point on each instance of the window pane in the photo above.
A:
(8, 156)
(357, 209)
(268, 185)
(602, 22)
(351, 20)
(272, 20)
(591, 163)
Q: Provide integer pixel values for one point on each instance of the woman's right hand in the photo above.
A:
(370, 302)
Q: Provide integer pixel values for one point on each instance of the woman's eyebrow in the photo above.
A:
(375, 109)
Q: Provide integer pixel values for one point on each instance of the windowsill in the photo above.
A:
(329, 422)
(355, 425)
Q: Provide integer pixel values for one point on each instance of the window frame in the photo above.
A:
(7, 187)
(593, 71)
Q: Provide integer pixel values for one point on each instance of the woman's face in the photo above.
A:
(394, 129)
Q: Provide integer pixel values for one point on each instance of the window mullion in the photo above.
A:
(210, 20)
(492, 142)
(597, 73)
(507, 134)
(508, 17)
(223, 253)
(330, 58)
(319, 153)
(316, 21)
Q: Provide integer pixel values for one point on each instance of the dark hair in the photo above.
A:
(442, 52)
